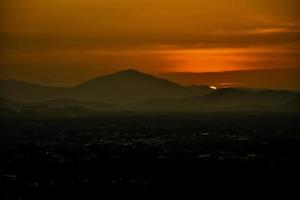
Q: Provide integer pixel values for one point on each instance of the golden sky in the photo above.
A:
(64, 42)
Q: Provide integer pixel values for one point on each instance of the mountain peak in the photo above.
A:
(129, 72)
(129, 86)
(128, 77)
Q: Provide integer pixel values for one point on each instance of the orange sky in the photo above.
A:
(63, 42)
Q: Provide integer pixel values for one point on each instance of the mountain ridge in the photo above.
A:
(124, 87)
(134, 90)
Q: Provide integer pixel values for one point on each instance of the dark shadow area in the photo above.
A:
(45, 157)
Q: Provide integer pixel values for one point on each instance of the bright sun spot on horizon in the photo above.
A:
(213, 87)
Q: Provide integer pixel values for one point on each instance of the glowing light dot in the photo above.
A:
(213, 87)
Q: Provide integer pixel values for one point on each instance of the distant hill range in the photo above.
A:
(133, 90)
(230, 99)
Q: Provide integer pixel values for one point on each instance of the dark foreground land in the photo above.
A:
(44, 157)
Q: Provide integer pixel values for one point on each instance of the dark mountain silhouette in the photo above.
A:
(20, 91)
(129, 86)
(133, 90)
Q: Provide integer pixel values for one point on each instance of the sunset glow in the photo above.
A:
(68, 41)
